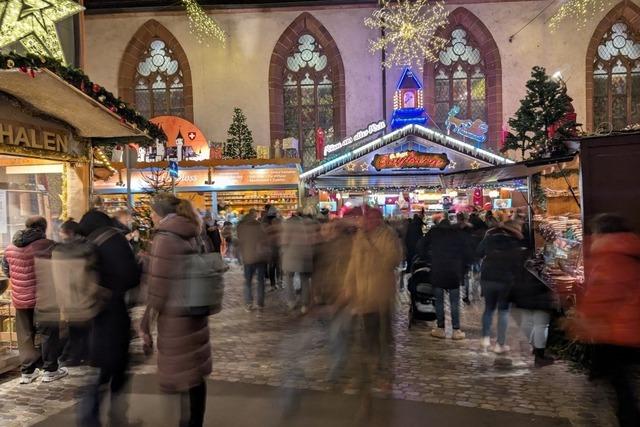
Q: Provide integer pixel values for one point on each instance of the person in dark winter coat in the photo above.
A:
(535, 301)
(273, 227)
(18, 264)
(413, 236)
(213, 231)
(253, 243)
(184, 350)
(445, 248)
(118, 272)
(503, 254)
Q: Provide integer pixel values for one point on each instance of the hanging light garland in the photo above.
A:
(202, 26)
(410, 28)
(577, 12)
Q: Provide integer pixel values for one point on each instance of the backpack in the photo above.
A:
(67, 287)
(200, 289)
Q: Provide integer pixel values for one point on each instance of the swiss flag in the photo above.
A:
(191, 135)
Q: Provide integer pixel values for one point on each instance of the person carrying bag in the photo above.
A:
(185, 286)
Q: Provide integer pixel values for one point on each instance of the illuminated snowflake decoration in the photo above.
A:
(577, 13)
(202, 26)
(410, 28)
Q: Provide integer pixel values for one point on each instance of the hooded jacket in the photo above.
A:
(19, 265)
(503, 254)
(609, 309)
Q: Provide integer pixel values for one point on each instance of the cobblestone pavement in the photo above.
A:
(280, 349)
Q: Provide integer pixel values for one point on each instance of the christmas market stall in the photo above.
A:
(50, 117)
(402, 173)
(225, 188)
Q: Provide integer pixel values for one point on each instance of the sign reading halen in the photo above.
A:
(410, 160)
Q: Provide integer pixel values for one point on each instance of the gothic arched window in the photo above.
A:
(159, 88)
(460, 80)
(616, 78)
(307, 88)
(155, 75)
(308, 96)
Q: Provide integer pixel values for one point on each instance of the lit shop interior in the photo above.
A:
(226, 191)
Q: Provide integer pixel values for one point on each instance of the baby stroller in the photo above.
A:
(423, 302)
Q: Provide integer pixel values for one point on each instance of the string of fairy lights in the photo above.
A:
(201, 25)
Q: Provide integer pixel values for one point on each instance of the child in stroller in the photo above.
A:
(423, 301)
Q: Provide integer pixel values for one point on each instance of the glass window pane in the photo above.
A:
(160, 102)
(619, 112)
(635, 96)
(441, 112)
(325, 94)
(442, 90)
(600, 85)
(478, 110)
(478, 89)
(325, 118)
(290, 96)
(143, 102)
(308, 118)
(307, 95)
(619, 84)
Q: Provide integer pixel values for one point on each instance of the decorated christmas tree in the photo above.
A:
(544, 120)
(240, 140)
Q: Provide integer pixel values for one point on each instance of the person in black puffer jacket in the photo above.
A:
(502, 255)
(446, 248)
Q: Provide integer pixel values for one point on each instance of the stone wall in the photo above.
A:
(237, 74)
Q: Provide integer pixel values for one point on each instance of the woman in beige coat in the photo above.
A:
(184, 351)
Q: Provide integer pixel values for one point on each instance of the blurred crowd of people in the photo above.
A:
(76, 293)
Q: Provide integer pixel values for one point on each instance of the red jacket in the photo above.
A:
(19, 265)
(609, 310)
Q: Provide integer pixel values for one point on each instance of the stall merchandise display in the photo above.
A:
(559, 262)
(286, 201)
(9, 358)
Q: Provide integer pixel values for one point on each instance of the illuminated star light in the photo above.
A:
(577, 12)
(33, 24)
(202, 26)
(452, 165)
(410, 28)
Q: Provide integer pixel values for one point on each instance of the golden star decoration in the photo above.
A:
(33, 24)
(410, 28)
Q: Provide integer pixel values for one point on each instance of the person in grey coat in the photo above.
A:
(297, 249)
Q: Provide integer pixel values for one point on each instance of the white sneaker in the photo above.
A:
(438, 333)
(29, 378)
(56, 375)
(500, 349)
(485, 343)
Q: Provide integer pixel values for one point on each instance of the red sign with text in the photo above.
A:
(410, 160)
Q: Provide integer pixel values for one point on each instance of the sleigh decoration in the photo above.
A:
(475, 130)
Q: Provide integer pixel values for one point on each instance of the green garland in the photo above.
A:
(78, 79)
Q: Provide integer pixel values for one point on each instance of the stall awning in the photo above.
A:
(48, 93)
(432, 137)
(380, 182)
(497, 174)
